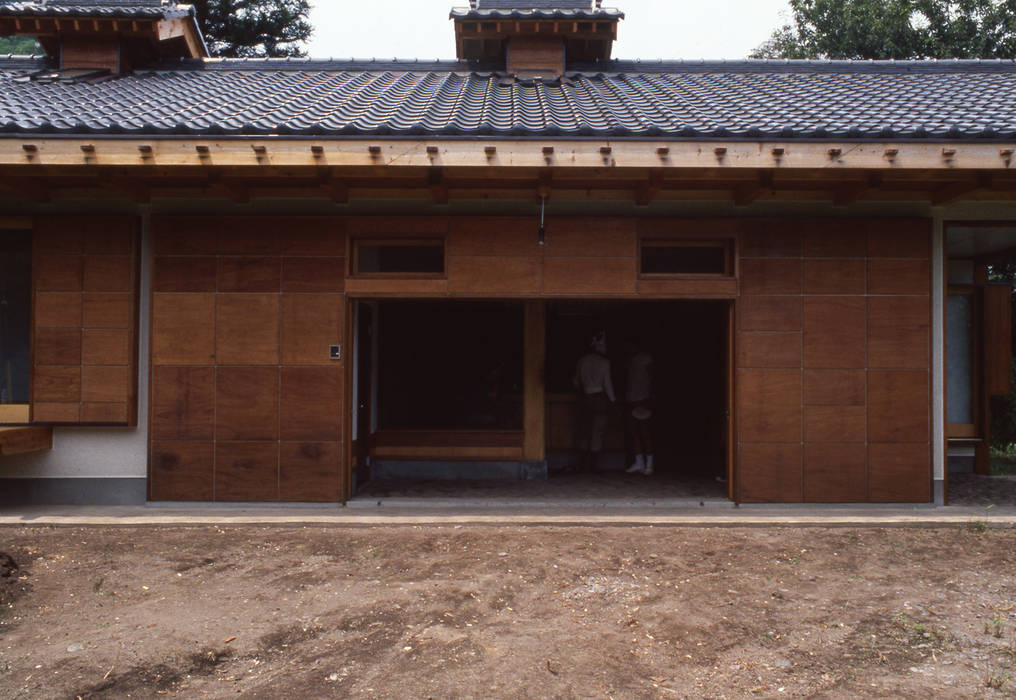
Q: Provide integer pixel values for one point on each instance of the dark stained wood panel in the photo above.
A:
(246, 274)
(184, 236)
(105, 347)
(313, 236)
(309, 472)
(688, 287)
(107, 311)
(247, 329)
(582, 237)
(899, 332)
(836, 239)
(899, 473)
(998, 339)
(770, 473)
(313, 274)
(247, 471)
(771, 276)
(183, 403)
(311, 323)
(409, 226)
(56, 384)
(835, 473)
(247, 403)
(834, 387)
(184, 274)
(108, 235)
(491, 275)
(834, 276)
(834, 332)
(181, 471)
(899, 238)
(600, 276)
(58, 235)
(55, 412)
(183, 329)
(769, 405)
(57, 273)
(834, 423)
(892, 276)
(109, 413)
(250, 235)
(57, 310)
(770, 313)
(493, 236)
(771, 240)
(57, 346)
(108, 273)
(769, 350)
(311, 408)
(102, 383)
(898, 406)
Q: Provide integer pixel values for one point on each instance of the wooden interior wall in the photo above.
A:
(84, 340)
(246, 403)
(833, 361)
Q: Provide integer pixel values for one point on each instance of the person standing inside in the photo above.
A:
(639, 395)
(592, 379)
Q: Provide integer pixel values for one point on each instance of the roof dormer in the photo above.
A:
(105, 35)
(535, 38)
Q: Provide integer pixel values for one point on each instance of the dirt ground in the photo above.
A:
(512, 612)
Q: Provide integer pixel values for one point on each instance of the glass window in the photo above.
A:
(685, 258)
(15, 315)
(399, 257)
(960, 358)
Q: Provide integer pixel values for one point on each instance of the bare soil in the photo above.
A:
(483, 611)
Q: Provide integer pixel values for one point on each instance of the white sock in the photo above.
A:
(649, 464)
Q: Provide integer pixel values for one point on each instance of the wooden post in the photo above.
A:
(534, 411)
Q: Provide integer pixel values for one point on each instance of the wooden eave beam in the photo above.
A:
(950, 193)
(747, 193)
(920, 159)
(851, 192)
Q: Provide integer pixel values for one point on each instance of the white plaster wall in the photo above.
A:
(100, 452)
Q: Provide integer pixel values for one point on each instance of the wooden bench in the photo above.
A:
(16, 441)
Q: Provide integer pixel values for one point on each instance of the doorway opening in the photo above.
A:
(447, 402)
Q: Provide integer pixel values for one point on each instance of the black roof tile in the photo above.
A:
(125, 9)
(947, 100)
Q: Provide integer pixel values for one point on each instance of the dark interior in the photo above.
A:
(688, 343)
(15, 315)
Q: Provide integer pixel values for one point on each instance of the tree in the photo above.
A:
(19, 45)
(254, 28)
(900, 29)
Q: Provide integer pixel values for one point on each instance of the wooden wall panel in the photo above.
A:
(582, 237)
(998, 339)
(77, 263)
(889, 276)
(509, 276)
(834, 276)
(493, 236)
(589, 276)
(898, 406)
(246, 471)
(309, 472)
(771, 474)
(899, 332)
(769, 403)
(246, 403)
(244, 312)
(769, 350)
(771, 276)
(835, 423)
(770, 240)
(899, 238)
(835, 332)
(835, 473)
(899, 473)
(181, 471)
(183, 329)
(770, 313)
(835, 239)
(247, 329)
(835, 387)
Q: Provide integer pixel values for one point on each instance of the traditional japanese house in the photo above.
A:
(272, 280)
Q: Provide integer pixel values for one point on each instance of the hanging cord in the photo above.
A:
(542, 238)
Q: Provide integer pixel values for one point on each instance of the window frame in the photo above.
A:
(423, 241)
(726, 241)
(967, 431)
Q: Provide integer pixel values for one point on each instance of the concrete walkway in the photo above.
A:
(392, 513)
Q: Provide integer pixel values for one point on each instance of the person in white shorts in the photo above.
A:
(592, 379)
(638, 395)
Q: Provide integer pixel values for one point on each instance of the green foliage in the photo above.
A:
(254, 28)
(19, 45)
(900, 29)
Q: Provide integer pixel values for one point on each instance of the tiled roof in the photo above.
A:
(508, 12)
(756, 100)
(119, 9)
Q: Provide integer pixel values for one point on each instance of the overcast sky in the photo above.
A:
(652, 29)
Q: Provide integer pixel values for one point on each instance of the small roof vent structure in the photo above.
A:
(112, 35)
(535, 38)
